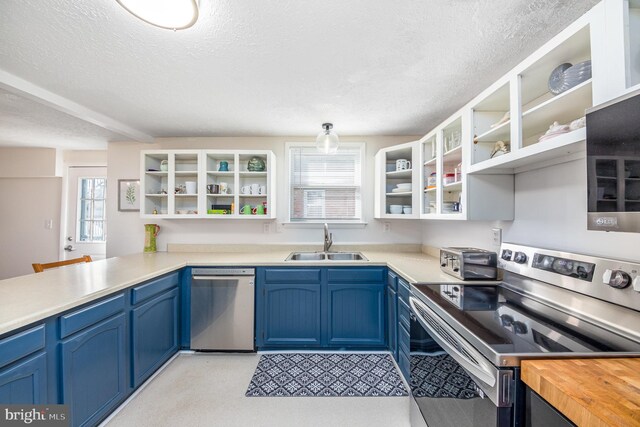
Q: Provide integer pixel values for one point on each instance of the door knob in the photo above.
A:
(69, 248)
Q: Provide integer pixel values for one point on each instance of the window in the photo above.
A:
(325, 187)
(91, 204)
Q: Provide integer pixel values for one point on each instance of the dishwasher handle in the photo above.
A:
(217, 278)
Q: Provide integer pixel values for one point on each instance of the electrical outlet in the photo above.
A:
(497, 236)
(266, 228)
(387, 227)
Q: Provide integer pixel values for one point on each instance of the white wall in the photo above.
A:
(126, 231)
(550, 212)
(32, 192)
(27, 204)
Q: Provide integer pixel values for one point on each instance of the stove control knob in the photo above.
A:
(582, 272)
(506, 255)
(520, 257)
(616, 279)
(520, 328)
(443, 260)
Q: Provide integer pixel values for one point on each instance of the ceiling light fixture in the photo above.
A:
(327, 140)
(169, 14)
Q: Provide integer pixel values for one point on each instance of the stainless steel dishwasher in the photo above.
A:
(222, 309)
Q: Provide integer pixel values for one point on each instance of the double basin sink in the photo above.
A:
(326, 256)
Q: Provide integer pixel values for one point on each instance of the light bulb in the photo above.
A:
(327, 140)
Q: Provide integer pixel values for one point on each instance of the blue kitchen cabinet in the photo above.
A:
(392, 313)
(154, 334)
(312, 307)
(404, 327)
(24, 382)
(288, 303)
(355, 307)
(290, 315)
(94, 360)
(23, 367)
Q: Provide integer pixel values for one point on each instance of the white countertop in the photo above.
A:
(28, 299)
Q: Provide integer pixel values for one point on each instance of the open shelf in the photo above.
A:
(399, 174)
(551, 149)
(563, 108)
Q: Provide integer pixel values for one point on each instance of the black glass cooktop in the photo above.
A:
(511, 323)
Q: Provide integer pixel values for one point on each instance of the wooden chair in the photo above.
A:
(39, 268)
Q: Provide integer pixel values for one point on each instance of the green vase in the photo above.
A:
(150, 233)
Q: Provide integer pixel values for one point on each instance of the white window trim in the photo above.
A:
(315, 223)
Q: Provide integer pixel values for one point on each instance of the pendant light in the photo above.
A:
(327, 140)
(168, 14)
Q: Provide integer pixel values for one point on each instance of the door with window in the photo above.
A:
(86, 232)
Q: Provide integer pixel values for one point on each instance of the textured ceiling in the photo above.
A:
(277, 67)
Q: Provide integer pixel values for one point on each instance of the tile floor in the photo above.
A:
(209, 390)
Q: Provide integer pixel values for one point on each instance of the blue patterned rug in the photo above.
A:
(438, 375)
(326, 374)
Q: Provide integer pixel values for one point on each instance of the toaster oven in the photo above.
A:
(469, 263)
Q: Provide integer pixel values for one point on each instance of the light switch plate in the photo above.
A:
(387, 227)
(266, 228)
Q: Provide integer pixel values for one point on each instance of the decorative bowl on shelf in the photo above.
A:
(565, 76)
(256, 164)
(556, 78)
(404, 186)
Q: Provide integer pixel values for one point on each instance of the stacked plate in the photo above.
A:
(566, 76)
(402, 188)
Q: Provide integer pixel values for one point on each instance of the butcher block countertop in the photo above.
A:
(589, 392)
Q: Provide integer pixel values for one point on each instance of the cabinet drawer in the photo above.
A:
(74, 322)
(355, 275)
(292, 275)
(154, 287)
(404, 314)
(19, 345)
(392, 280)
(404, 290)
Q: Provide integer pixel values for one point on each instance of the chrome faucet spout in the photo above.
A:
(328, 238)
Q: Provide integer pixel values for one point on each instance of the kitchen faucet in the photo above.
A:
(327, 238)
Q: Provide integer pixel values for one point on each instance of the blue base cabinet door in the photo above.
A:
(94, 366)
(154, 334)
(25, 382)
(291, 315)
(356, 314)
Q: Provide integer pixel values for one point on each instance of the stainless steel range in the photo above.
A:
(468, 339)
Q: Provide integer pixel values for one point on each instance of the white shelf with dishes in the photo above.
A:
(396, 182)
(213, 184)
(529, 118)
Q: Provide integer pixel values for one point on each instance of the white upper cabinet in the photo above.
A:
(397, 181)
(215, 184)
(523, 118)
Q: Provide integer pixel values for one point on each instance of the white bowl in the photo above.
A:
(407, 210)
(404, 186)
(395, 209)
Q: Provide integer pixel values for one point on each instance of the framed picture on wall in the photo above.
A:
(129, 195)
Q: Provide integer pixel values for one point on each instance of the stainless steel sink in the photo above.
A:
(346, 256)
(306, 256)
(326, 256)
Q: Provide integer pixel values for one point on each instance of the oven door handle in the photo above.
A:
(473, 361)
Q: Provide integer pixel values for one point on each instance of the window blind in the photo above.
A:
(325, 187)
